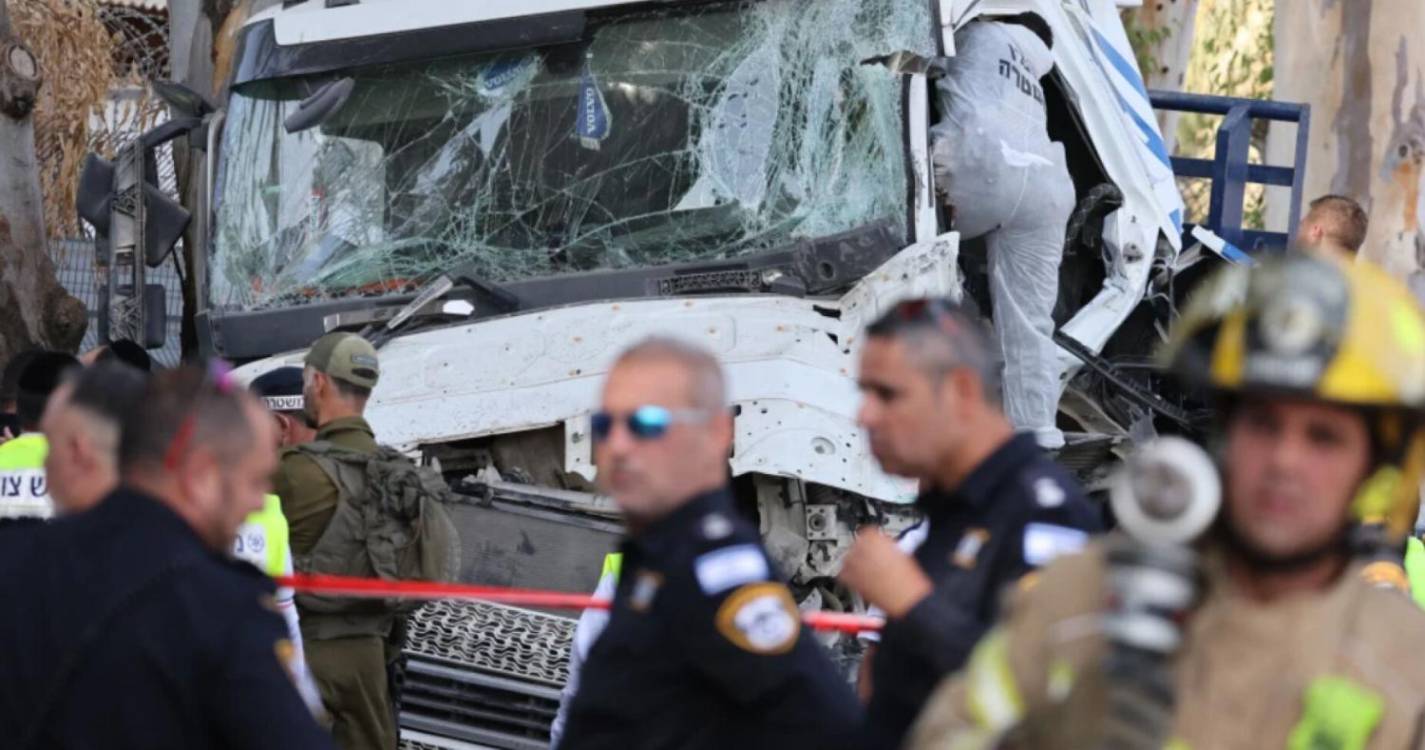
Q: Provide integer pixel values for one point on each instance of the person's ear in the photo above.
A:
(199, 475)
(721, 428)
(963, 385)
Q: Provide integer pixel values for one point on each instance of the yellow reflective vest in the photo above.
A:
(1415, 569)
(262, 539)
(23, 490)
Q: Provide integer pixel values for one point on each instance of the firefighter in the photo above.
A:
(1319, 379)
(704, 647)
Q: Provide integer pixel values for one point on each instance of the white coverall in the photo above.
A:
(1010, 184)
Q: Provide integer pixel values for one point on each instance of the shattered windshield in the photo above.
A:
(663, 137)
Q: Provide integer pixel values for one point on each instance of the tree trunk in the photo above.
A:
(1162, 34)
(35, 310)
(1361, 66)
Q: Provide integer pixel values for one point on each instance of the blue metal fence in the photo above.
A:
(1229, 169)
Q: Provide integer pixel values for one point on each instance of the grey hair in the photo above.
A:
(707, 384)
(954, 337)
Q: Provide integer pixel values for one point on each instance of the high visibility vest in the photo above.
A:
(262, 539)
(1415, 569)
(23, 490)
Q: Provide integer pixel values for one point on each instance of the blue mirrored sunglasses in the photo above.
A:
(644, 423)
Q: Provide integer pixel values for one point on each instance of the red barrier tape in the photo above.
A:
(379, 588)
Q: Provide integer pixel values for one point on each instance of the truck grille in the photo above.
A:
(484, 673)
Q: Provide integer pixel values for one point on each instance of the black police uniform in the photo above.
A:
(1015, 511)
(120, 629)
(705, 649)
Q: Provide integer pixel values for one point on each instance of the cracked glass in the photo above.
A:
(663, 137)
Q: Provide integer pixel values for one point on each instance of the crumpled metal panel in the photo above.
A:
(519, 643)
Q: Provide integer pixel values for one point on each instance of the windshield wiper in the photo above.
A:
(500, 298)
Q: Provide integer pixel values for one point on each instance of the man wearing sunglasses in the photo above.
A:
(995, 506)
(704, 647)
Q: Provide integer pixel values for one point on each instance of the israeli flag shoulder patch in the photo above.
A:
(1045, 541)
(730, 567)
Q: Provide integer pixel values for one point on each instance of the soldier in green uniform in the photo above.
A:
(347, 649)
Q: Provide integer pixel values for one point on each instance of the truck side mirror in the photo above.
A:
(182, 99)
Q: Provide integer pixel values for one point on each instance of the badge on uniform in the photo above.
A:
(645, 586)
(725, 568)
(286, 653)
(716, 526)
(968, 550)
(760, 618)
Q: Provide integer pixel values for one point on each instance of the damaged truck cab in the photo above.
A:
(753, 177)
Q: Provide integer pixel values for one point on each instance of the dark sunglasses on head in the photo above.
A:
(933, 309)
(644, 423)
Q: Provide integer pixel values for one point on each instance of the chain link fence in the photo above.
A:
(74, 264)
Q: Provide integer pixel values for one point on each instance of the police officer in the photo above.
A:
(263, 538)
(81, 426)
(281, 392)
(347, 653)
(1319, 377)
(129, 626)
(704, 647)
(995, 506)
(23, 490)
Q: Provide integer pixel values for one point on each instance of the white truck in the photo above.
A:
(532, 185)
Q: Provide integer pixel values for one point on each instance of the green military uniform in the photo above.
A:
(346, 653)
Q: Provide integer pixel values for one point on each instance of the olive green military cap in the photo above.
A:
(346, 356)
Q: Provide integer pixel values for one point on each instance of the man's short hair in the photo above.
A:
(706, 383)
(183, 408)
(108, 391)
(1035, 23)
(1342, 219)
(129, 353)
(941, 336)
(351, 390)
(10, 380)
(41, 377)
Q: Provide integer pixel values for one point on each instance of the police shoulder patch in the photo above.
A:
(1045, 541)
(760, 618)
(727, 567)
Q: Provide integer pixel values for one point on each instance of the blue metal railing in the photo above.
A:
(1229, 169)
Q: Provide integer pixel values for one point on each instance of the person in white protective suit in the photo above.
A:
(1008, 183)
